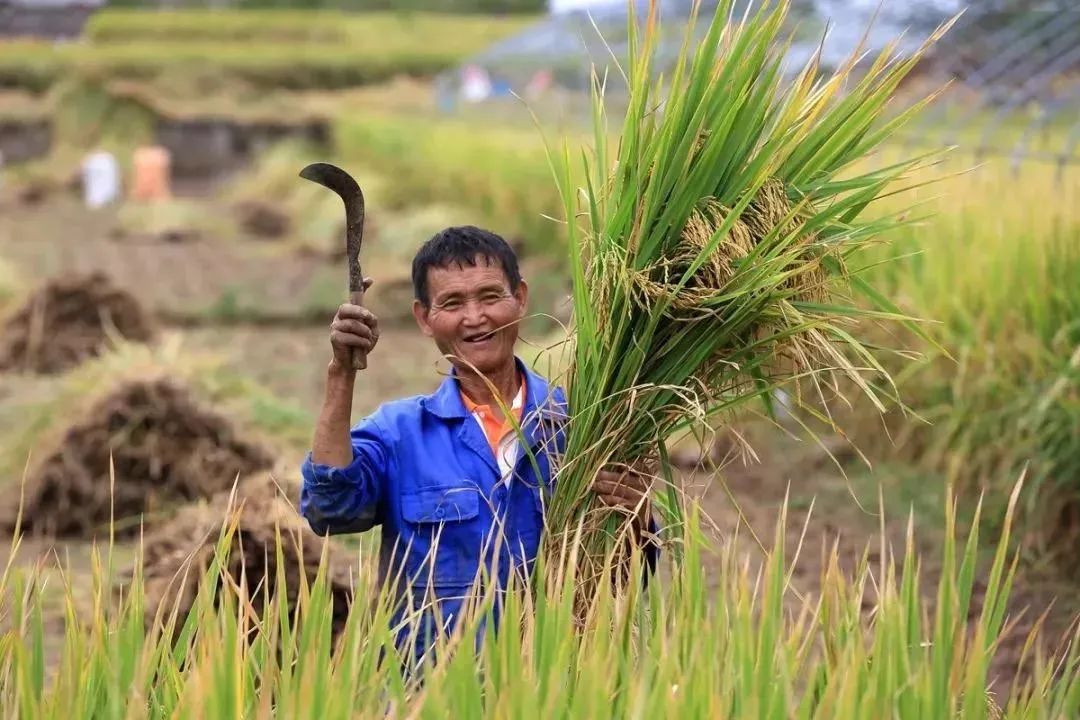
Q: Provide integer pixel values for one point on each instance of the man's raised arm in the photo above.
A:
(353, 327)
(343, 473)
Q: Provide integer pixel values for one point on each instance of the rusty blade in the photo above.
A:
(336, 179)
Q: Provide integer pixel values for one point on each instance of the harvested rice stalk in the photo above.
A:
(708, 254)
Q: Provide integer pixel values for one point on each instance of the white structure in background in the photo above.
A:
(561, 6)
(100, 179)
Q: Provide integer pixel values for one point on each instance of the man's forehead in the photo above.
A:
(486, 270)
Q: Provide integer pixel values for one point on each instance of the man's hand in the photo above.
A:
(627, 489)
(353, 327)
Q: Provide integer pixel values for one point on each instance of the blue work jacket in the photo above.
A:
(423, 471)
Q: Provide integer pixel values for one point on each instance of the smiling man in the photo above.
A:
(447, 477)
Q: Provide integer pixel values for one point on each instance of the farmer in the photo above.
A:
(445, 475)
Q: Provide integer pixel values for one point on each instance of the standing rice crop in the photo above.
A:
(996, 267)
(748, 649)
(708, 247)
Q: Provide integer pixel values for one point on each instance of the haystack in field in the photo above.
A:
(68, 320)
(166, 449)
(178, 554)
(262, 219)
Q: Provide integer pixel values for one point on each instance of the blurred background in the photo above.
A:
(150, 153)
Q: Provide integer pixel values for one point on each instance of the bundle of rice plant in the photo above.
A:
(708, 250)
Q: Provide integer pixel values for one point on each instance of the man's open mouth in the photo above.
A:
(478, 337)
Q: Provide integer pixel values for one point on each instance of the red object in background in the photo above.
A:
(151, 168)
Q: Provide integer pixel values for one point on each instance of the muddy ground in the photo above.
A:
(287, 350)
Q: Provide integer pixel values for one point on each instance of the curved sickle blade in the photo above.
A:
(333, 177)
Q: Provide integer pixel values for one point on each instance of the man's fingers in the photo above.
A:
(345, 339)
(634, 483)
(607, 487)
(624, 473)
(612, 483)
(368, 282)
(626, 495)
(620, 502)
(357, 312)
(354, 327)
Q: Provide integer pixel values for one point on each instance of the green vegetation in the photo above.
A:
(194, 26)
(750, 648)
(85, 114)
(498, 172)
(264, 65)
(994, 266)
(491, 7)
(298, 26)
(265, 50)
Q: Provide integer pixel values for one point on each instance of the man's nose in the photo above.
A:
(474, 313)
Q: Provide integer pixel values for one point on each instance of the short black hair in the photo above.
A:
(462, 245)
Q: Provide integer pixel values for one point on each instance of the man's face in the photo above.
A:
(473, 315)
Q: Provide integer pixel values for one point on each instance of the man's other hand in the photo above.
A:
(625, 488)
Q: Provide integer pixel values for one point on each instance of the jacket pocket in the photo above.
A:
(446, 540)
(438, 505)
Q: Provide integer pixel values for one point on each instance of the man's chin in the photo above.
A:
(483, 361)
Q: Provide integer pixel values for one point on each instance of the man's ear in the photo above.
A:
(420, 312)
(522, 295)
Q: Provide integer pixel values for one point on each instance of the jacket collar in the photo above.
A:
(446, 401)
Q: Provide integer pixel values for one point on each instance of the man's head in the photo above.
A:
(469, 296)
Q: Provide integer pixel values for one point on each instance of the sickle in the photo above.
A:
(346, 187)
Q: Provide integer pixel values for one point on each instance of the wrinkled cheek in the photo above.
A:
(509, 336)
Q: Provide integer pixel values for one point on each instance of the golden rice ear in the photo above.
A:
(769, 215)
(770, 211)
(719, 265)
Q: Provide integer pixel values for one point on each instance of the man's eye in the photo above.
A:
(491, 297)
(451, 304)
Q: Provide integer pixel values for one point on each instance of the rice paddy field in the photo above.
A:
(901, 542)
(274, 49)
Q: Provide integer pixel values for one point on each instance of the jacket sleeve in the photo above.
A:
(346, 500)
